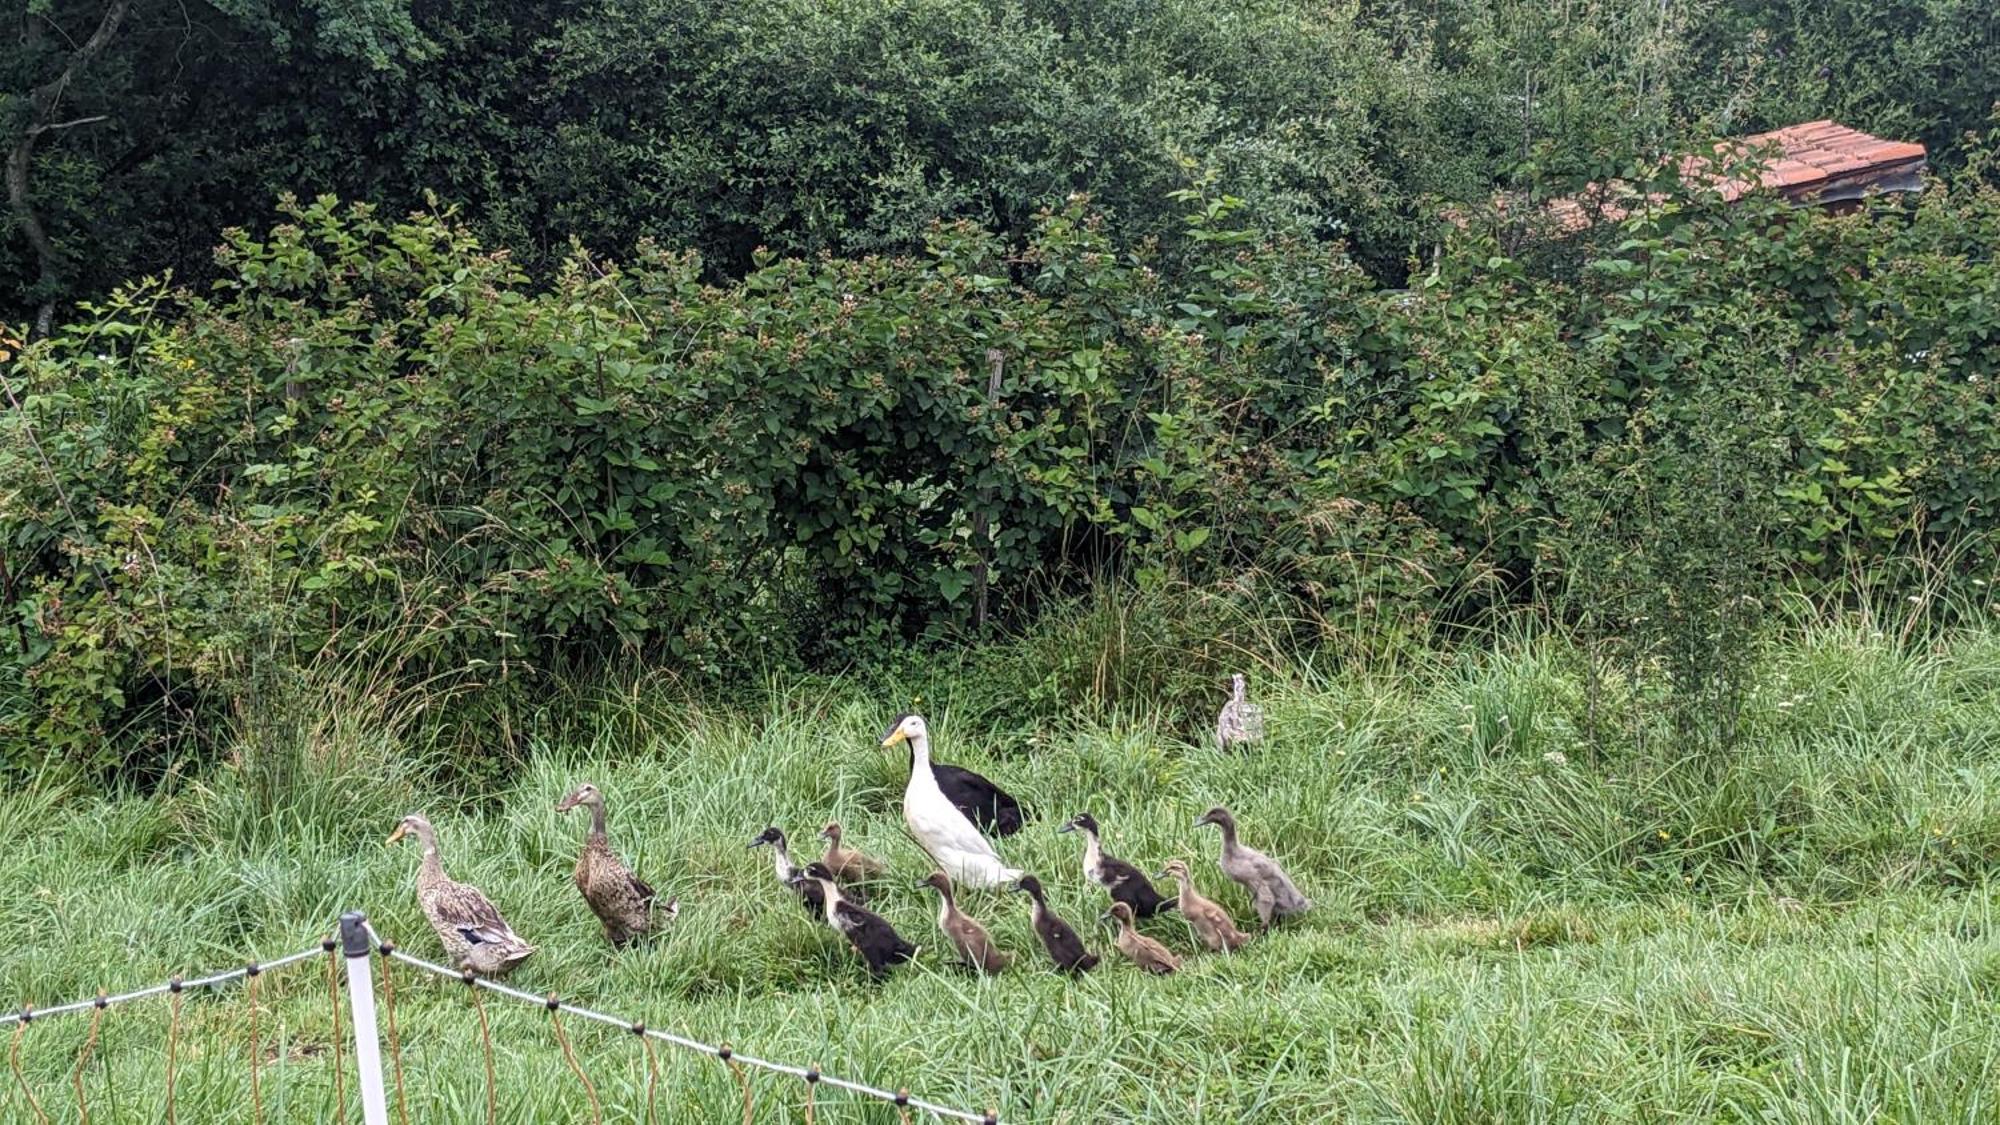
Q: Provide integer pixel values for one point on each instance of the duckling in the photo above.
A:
(1271, 890)
(940, 827)
(1241, 722)
(848, 865)
(621, 900)
(1126, 883)
(1064, 947)
(1143, 951)
(789, 873)
(975, 946)
(1209, 921)
(468, 925)
(869, 933)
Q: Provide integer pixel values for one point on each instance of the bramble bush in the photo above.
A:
(376, 438)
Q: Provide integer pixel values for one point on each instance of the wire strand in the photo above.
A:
(724, 1052)
(102, 1000)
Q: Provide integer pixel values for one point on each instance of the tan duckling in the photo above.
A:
(847, 864)
(1143, 951)
(975, 946)
(474, 935)
(622, 901)
(1271, 890)
(1209, 921)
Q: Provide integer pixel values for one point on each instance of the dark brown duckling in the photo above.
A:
(1143, 951)
(790, 874)
(975, 946)
(847, 864)
(1209, 921)
(1126, 883)
(1271, 890)
(869, 933)
(1064, 947)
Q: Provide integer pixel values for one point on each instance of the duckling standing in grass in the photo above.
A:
(474, 935)
(848, 865)
(621, 900)
(789, 873)
(1126, 883)
(1271, 890)
(975, 946)
(1143, 951)
(1064, 947)
(869, 933)
(1209, 921)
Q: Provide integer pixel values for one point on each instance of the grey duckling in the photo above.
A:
(789, 873)
(1271, 890)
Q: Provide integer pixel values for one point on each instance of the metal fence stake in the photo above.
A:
(355, 947)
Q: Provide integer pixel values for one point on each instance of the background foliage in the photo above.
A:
(383, 431)
(851, 126)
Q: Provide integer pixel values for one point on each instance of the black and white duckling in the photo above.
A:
(975, 946)
(1206, 917)
(1126, 883)
(1141, 950)
(1065, 948)
(869, 933)
(789, 873)
(1271, 890)
(847, 864)
(992, 808)
(940, 827)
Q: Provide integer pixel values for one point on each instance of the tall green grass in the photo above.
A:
(1516, 922)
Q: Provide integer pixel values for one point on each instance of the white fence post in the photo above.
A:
(354, 945)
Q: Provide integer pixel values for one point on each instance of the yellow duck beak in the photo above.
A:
(398, 834)
(895, 736)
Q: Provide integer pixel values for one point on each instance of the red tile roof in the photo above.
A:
(1819, 162)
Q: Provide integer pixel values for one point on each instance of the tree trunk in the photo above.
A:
(44, 102)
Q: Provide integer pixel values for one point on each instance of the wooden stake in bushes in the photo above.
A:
(982, 543)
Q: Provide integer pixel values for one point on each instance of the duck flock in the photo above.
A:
(950, 812)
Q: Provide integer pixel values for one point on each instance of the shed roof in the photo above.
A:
(1814, 163)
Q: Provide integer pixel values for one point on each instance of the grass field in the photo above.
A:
(1511, 927)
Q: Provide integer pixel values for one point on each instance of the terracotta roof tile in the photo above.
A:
(1809, 162)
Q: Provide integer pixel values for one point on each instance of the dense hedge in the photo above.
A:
(380, 428)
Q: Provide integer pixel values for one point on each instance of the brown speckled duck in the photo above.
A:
(622, 901)
(474, 935)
